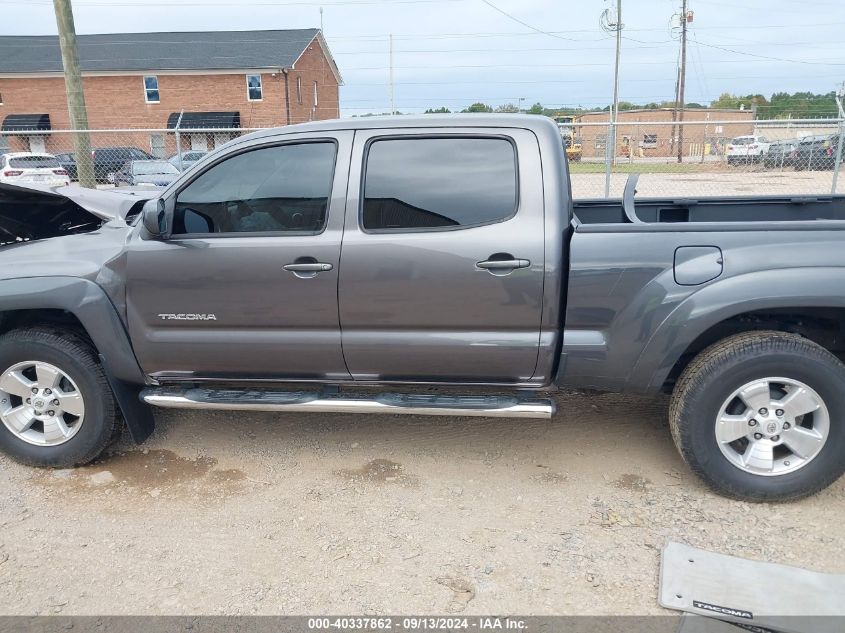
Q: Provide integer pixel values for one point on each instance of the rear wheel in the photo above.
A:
(56, 406)
(760, 416)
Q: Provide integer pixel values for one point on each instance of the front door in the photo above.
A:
(246, 287)
(443, 257)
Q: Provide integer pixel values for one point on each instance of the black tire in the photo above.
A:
(74, 356)
(726, 366)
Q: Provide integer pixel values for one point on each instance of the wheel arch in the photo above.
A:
(795, 300)
(84, 307)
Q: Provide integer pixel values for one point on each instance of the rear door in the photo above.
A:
(442, 262)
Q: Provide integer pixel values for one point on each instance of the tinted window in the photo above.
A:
(438, 182)
(33, 162)
(283, 188)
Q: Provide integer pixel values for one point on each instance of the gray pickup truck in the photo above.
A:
(429, 266)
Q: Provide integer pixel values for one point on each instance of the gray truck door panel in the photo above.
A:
(441, 303)
(227, 306)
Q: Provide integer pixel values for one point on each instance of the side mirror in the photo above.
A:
(154, 217)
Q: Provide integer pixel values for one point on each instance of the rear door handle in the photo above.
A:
(310, 267)
(503, 264)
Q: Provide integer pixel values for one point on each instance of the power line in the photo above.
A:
(526, 24)
(774, 59)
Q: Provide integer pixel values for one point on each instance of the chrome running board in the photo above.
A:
(321, 402)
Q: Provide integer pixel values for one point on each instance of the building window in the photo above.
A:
(157, 145)
(151, 89)
(254, 91)
(601, 141)
(299, 90)
(315, 94)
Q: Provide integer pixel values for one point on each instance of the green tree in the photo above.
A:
(727, 100)
(478, 107)
(506, 107)
(537, 108)
(443, 110)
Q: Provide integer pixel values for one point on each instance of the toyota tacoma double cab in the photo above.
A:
(339, 266)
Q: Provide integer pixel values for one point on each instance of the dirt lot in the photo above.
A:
(306, 514)
(736, 181)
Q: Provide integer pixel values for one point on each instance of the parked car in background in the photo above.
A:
(781, 153)
(68, 163)
(188, 159)
(158, 173)
(747, 149)
(107, 161)
(817, 152)
(25, 168)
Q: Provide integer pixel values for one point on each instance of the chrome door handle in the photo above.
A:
(503, 264)
(311, 267)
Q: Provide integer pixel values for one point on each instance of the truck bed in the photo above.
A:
(717, 209)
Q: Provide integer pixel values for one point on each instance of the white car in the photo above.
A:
(27, 168)
(747, 149)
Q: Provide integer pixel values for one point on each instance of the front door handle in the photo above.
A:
(503, 264)
(309, 267)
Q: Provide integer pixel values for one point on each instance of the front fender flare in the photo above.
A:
(89, 303)
(810, 287)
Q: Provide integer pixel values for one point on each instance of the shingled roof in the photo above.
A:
(191, 50)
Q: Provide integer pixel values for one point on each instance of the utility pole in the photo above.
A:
(612, 23)
(615, 110)
(392, 102)
(682, 81)
(75, 96)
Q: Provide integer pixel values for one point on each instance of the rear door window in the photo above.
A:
(424, 183)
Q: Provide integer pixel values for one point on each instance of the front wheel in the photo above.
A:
(760, 416)
(56, 406)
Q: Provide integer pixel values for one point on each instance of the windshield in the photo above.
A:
(742, 140)
(33, 162)
(148, 168)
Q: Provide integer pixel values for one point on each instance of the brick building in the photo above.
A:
(156, 81)
(656, 139)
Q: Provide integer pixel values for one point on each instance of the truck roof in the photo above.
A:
(536, 123)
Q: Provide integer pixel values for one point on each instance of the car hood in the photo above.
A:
(36, 213)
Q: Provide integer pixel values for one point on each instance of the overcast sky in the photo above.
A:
(454, 52)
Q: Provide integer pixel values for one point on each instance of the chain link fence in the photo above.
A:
(689, 159)
(707, 158)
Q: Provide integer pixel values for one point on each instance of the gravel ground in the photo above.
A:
(306, 514)
(736, 181)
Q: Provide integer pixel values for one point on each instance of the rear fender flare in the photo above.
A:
(810, 287)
